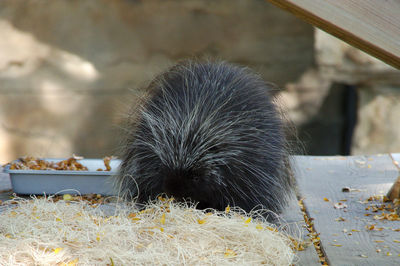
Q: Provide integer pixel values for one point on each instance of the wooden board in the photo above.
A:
(396, 159)
(370, 25)
(324, 177)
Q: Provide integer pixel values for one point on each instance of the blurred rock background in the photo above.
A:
(69, 70)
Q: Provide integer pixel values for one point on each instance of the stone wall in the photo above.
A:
(70, 69)
(344, 78)
(378, 87)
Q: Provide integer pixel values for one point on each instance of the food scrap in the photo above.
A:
(107, 161)
(313, 234)
(349, 189)
(382, 208)
(339, 205)
(32, 163)
(70, 164)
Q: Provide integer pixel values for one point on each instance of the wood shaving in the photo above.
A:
(45, 231)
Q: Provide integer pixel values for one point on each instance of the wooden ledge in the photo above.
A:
(370, 25)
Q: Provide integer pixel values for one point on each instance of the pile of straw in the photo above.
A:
(48, 232)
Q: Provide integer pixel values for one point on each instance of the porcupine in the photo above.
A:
(209, 132)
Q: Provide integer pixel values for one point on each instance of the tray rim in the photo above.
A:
(6, 169)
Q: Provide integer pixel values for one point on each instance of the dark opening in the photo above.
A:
(330, 131)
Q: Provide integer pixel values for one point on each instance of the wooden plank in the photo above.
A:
(394, 192)
(293, 218)
(370, 25)
(324, 177)
(396, 158)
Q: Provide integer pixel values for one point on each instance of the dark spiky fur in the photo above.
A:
(209, 132)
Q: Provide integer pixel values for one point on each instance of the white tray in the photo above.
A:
(41, 182)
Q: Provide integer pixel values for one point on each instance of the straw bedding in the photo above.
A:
(48, 232)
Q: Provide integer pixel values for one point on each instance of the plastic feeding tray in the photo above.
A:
(65, 181)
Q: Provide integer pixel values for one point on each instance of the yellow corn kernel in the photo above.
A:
(57, 250)
(229, 253)
(67, 197)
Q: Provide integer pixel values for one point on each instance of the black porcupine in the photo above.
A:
(209, 132)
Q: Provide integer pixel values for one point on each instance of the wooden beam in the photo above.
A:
(370, 25)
